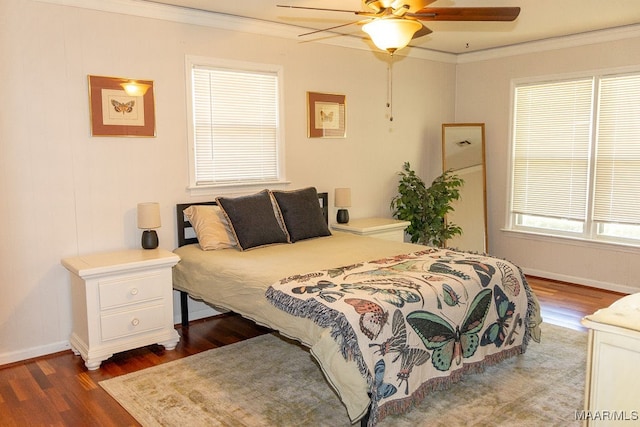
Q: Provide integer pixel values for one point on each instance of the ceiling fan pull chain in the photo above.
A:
(390, 88)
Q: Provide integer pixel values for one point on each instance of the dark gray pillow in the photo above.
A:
(252, 220)
(302, 214)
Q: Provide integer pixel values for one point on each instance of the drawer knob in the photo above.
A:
(134, 291)
(135, 322)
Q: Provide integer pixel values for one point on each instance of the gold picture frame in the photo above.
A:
(115, 113)
(326, 115)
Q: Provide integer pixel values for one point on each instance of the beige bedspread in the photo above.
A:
(237, 281)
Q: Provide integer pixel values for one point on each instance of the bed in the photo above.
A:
(388, 322)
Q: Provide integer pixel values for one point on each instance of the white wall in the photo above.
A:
(65, 193)
(482, 95)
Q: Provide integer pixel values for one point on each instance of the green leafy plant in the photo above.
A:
(426, 208)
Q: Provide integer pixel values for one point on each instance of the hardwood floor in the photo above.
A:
(565, 304)
(57, 390)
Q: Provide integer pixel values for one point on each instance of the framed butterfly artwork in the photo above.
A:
(121, 107)
(326, 115)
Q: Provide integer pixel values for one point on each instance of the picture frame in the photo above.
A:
(113, 112)
(326, 115)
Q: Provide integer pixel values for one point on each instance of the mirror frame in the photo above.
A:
(446, 143)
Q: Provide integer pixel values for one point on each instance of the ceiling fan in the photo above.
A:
(392, 24)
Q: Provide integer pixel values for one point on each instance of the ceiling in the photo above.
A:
(538, 20)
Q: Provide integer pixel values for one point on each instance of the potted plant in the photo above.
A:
(426, 208)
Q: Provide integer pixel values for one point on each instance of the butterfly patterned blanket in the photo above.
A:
(415, 323)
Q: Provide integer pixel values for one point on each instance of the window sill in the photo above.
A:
(235, 188)
(575, 241)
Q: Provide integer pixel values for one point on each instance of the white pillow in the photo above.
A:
(211, 227)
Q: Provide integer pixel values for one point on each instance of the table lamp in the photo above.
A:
(148, 219)
(342, 200)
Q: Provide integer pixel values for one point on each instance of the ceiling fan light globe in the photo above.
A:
(391, 34)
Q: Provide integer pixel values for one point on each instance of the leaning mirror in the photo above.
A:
(463, 153)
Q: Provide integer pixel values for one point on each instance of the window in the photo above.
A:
(576, 158)
(235, 132)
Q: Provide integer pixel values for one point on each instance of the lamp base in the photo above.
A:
(149, 239)
(343, 216)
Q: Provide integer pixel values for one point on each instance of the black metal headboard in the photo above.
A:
(184, 225)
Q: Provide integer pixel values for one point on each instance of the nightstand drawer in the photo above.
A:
(132, 322)
(130, 289)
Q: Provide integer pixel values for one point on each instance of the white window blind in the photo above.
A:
(576, 158)
(617, 176)
(552, 143)
(235, 125)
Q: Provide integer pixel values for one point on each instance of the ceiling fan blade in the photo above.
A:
(466, 14)
(355, 12)
(328, 29)
(424, 31)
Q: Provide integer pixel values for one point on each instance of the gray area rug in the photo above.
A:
(267, 381)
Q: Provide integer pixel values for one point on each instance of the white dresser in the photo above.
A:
(612, 395)
(382, 228)
(121, 300)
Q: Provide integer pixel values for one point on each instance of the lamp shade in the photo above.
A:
(148, 215)
(342, 197)
(391, 34)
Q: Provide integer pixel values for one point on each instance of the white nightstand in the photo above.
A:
(382, 228)
(121, 300)
(613, 363)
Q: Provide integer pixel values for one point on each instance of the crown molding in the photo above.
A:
(149, 9)
(583, 39)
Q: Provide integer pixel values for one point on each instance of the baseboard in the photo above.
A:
(196, 314)
(197, 309)
(30, 353)
(202, 311)
(615, 287)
